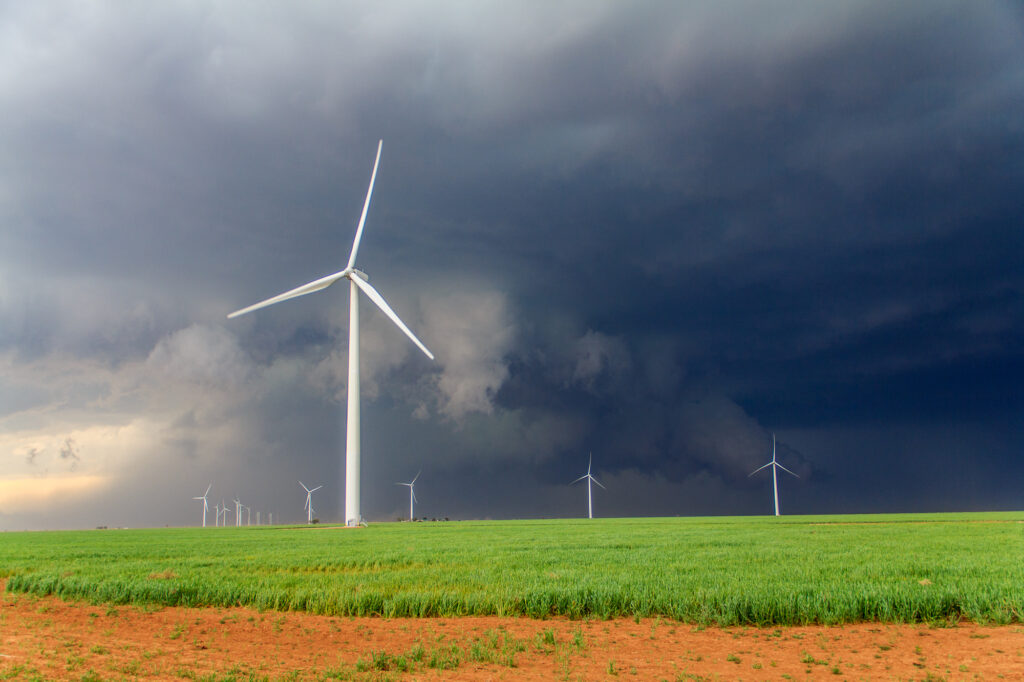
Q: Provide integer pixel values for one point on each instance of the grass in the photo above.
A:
(727, 571)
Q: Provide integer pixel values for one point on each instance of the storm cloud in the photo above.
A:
(656, 232)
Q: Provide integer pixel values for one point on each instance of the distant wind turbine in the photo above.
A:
(589, 479)
(412, 493)
(357, 280)
(309, 501)
(238, 512)
(205, 503)
(216, 517)
(775, 481)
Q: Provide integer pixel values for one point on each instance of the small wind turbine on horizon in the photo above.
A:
(309, 501)
(358, 280)
(238, 513)
(589, 479)
(206, 505)
(412, 493)
(775, 480)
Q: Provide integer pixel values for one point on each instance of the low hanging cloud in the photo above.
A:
(202, 356)
(478, 333)
(713, 430)
(599, 360)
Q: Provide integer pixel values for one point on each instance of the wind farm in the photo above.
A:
(663, 235)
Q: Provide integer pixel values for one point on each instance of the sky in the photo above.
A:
(655, 232)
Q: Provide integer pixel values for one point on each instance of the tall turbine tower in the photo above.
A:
(775, 480)
(357, 280)
(412, 493)
(589, 478)
(309, 501)
(205, 504)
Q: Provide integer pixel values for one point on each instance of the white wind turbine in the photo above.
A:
(238, 513)
(216, 516)
(357, 280)
(224, 511)
(589, 478)
(206, 505)
(309, 501)
(775, 481)
(412, 493)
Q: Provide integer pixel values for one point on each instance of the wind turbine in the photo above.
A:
(357, 280)
(216, 518)
(238, 512)
(775, 480)
(589, 478)
(309, 501)
(205, 504)
(412, 493)
(224, 511)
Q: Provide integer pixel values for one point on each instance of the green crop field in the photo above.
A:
(790, 570)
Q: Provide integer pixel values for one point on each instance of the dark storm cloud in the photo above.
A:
(656, 232)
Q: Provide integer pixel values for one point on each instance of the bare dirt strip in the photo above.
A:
(46, 638)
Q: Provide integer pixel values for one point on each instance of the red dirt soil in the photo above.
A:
(52, 639)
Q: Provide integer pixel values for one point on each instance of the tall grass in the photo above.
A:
(728, 571)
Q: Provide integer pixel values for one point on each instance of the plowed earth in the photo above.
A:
(46, 638)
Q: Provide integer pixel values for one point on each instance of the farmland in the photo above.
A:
(724, 571)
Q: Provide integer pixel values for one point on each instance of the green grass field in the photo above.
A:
(765, 571)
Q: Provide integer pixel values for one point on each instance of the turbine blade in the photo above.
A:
(304, 486)
(417, 475)
(207, 490)
(366, 206)
(581, 478)
(316, 488)
(315, 285)
(414, 495)
(597, 482)
(383, 305)
(759, 468)
(786, 470)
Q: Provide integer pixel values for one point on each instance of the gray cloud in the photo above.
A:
(658, 232)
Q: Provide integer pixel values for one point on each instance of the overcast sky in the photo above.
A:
(654, 231)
